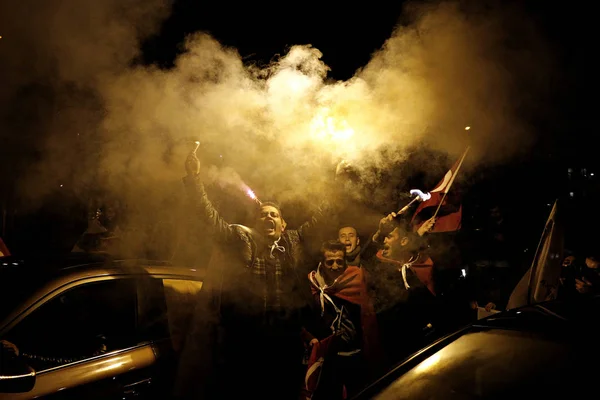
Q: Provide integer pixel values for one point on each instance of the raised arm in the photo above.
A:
(322, 214)
(203, 208)
(317, 219)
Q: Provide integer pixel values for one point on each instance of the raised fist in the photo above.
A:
(192, 163)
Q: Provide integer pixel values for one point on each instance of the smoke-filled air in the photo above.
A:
(93, 117)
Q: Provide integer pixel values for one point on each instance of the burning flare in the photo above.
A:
(326, 127)
(250, 193)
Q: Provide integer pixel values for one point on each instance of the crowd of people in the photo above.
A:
(279, 321)
(286, 326)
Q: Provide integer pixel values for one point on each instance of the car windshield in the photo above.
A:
(496, 364)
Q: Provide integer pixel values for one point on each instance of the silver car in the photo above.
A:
(90, 327)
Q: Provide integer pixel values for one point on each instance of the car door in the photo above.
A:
(84, 343)
(166, 307)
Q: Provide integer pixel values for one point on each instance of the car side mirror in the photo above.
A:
(15, 375)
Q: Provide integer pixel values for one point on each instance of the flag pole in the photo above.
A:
(451, 181)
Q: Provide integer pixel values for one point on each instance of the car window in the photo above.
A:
(497, 364)
(82, 322)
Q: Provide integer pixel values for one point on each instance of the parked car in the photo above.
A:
(92, 327)
(544, 351)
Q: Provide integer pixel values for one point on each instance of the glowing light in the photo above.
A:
(326, 127)
(467, 128)
(251, 194)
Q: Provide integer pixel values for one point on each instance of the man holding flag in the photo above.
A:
(441, 205)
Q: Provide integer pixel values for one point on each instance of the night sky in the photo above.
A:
(348, 36)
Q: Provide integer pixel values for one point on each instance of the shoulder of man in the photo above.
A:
(292, 237)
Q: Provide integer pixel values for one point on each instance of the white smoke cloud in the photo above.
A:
(124, 127)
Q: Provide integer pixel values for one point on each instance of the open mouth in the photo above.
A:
(269, 226)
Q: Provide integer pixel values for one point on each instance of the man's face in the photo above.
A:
(393, 245)
(335, 263)
(270, 222)
(568, 261)
(591, 262)
(349, 238)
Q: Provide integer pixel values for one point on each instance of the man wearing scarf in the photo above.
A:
(256, 301)
(346, 327)
(404, 286)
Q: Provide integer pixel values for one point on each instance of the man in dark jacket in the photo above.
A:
(404, 288)
(258, 291)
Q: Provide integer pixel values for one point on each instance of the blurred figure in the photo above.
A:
(588, 280)
(570, 270)
(103, 232)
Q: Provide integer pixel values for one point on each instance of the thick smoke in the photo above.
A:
(95, 119)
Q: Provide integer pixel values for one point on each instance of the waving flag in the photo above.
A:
(447, 221)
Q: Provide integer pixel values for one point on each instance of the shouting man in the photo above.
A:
(258, 296)
(356, 254)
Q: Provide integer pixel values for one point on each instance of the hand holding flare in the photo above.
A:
(192, 163)
(419, 196)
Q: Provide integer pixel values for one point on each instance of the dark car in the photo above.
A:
(92, 326)
(543, 351)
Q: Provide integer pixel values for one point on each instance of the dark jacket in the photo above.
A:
(244, 256)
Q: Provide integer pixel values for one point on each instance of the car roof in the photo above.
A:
(561, 319)
(49, 267)
(25, 280)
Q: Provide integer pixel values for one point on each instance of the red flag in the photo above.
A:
(3, 249)
(448, 222)
(315, 366)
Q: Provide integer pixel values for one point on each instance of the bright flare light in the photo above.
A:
(250, 193)
(467, 128)
(326, 127)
